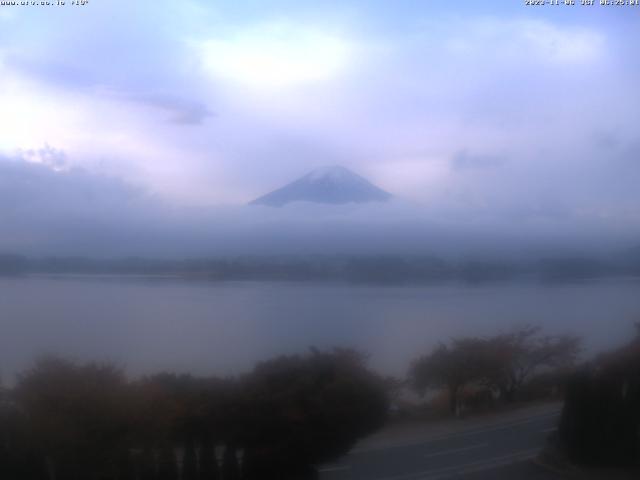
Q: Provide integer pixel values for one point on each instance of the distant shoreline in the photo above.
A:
(521, 279)
(381, 269)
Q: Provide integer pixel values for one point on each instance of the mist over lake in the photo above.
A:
(205, 327)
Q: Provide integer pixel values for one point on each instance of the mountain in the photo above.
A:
(333, 185)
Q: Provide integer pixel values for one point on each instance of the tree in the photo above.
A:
(600, 419)
(504, 362)
(17, 456)
(190, 461)
(304, 410)
(524, 352)
(182, 411)
(464, 361)
(77, 416)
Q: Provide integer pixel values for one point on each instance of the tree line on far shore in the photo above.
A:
(377, 269)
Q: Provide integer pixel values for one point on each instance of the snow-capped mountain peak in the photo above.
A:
(332, 184)
(335, 173)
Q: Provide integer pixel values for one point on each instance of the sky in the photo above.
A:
(149, 116)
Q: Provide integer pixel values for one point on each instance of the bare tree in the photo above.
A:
(464, 361)
(525, 352)
(503, 362)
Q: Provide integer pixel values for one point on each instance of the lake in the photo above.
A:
(223, 328)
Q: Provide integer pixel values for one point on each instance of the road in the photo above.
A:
(497, 447)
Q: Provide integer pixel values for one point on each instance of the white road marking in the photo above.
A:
(456, 450)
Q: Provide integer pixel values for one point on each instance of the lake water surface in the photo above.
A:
(224, 328)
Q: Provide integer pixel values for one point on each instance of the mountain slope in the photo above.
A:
(333, 185)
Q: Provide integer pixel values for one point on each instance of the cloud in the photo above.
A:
(524, 40)
(49, 156)
(40, 183)
(180, 110)
(276, 55)
(474, 114)
(463, 160)
(49, 209)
